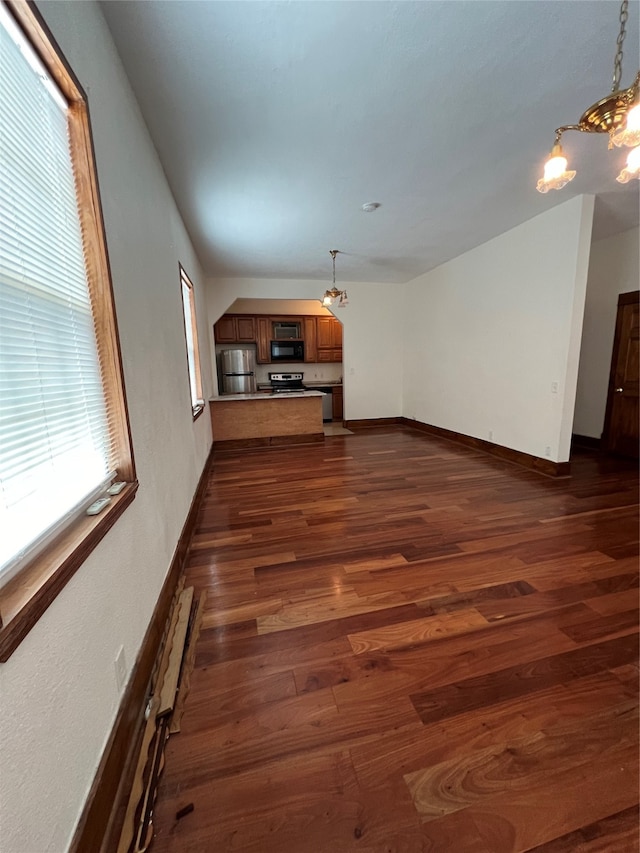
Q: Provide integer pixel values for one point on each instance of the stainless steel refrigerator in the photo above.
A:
(238, 371)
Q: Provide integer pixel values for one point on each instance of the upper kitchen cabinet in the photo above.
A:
(322, 336)
(263, 340)
(246, 329)
(232, 329)
(224, 330)
(329, 339)
(310, 332)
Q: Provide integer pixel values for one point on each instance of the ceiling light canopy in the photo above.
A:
(618, 115)
(334, 295)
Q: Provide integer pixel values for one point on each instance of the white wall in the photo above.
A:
(613, 269)
(488, 333)
(58, 694)
(279, 306)
(372, 335)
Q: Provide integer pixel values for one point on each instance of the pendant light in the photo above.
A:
(334, 295)
(618, 115)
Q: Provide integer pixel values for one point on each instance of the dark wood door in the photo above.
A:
(621, 420)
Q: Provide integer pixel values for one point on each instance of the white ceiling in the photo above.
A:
(276, 121)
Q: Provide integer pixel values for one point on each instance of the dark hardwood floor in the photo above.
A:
(409, 646)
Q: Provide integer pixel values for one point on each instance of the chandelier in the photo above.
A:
(334, 295)
(618, 115)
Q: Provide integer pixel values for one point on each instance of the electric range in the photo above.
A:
(286, 383)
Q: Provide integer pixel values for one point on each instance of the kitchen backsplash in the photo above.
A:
(312, 372)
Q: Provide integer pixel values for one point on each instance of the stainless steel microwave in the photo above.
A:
(287, 350)
(285, 330)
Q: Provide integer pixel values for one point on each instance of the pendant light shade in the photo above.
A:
(618, 115)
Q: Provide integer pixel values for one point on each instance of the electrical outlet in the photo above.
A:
(547, 451)
(555, 387)
(490, 435)
(121, 668)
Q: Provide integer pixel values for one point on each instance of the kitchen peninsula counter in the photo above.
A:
(266, 419)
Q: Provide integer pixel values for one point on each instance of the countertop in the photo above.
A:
(224, 398)
(316, 383)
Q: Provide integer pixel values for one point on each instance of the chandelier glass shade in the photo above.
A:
(333, 296)
(618, 114)
(555, 171)
(629, 134)
(632, 169)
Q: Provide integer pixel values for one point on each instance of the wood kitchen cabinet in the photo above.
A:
(263, 340)
(232, 329)
(224, 330)
(336, 334)
(322, 336)
(338, 406)
(310, 339)
(324, 332)
(329, 339)
(246, 330)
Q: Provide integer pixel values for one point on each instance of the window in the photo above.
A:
(191, 334)
(64, 435)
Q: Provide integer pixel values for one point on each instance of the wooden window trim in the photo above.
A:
(25, 597)
(198, 409)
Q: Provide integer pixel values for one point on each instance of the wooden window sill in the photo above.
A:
(26, 596)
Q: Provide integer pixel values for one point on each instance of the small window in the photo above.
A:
(191, 335)
(64, 434)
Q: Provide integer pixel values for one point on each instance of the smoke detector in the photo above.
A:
(370, 206)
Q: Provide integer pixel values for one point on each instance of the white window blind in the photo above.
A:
(55, 451)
